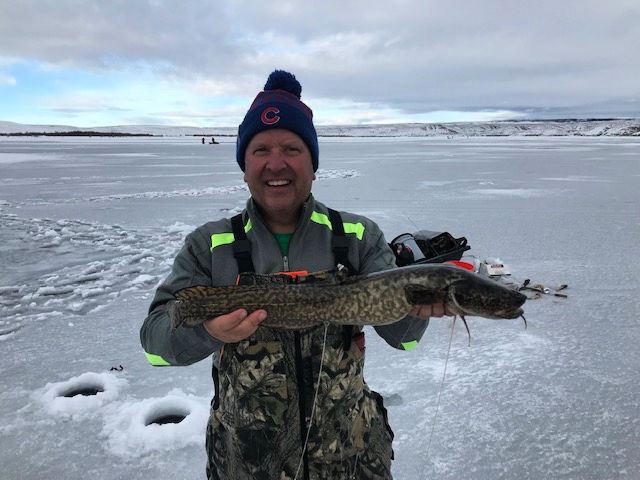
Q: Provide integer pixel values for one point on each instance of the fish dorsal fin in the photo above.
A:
(327, 277)
(191, 293)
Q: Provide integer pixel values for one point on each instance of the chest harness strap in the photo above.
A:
(340, 248)
(241, 246)
(339, 241)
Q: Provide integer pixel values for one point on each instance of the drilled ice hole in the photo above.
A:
(84, 388)
(163, 413)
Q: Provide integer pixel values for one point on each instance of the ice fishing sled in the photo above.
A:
(425, 246)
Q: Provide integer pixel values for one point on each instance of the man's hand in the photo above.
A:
(234, 326)
(432, 310)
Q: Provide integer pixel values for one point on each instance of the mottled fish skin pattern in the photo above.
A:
(378, 298)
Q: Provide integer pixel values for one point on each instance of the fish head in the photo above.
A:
(482, 297)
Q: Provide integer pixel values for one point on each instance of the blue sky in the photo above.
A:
(200, 63)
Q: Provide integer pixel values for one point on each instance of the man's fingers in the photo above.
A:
(226, 323)
(421, 311)
(235, 326)
(430, 310)
(256, 318)
(437, 309)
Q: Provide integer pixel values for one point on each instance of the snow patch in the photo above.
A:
(329, 174)
(511, 192)
(576, 178)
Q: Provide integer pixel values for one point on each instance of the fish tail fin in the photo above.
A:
(174, 315)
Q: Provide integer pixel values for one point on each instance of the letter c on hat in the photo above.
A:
(269, 116)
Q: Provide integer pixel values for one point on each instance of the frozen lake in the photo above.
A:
(90, 226)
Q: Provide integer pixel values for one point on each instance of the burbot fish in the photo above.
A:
(378, 298)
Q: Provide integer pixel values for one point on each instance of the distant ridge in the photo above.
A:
(568, 127)
(74, 133)
(558, 127)
(155, 130)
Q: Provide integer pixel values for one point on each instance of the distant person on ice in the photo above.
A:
(265, 378)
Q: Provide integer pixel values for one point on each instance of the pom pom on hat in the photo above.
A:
(278, 106)
(281, 80)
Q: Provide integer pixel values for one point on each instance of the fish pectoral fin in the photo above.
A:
(419, 295)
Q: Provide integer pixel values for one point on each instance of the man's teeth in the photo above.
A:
(277, 183)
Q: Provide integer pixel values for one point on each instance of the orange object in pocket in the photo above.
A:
(296, 274)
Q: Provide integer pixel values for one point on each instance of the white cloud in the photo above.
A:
(344, 112)
(7, 80)
(405, 59)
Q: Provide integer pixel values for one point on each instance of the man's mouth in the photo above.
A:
(278, 183)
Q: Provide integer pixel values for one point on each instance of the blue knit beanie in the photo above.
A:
(278, 106)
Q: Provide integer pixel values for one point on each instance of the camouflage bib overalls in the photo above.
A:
(257, 430)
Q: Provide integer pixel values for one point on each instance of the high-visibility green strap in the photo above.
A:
(355, 228)
(409, 345)
(226, 238)
(321, 218)
(156, 360)
(218, 239)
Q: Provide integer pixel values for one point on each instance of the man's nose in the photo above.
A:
(276, 159)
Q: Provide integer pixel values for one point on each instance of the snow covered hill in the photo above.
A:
(569, 127)
(618, 127)
(161, 130)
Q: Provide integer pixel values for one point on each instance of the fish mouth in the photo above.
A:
(507, 312)
(511, 314)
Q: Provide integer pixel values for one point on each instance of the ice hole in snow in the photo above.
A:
(84, 390)
(86, 387)
(163, 413)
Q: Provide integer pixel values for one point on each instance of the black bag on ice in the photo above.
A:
(425, 246)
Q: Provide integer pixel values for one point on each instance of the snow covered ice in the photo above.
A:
(89, 227)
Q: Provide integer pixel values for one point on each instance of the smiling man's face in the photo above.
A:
(279, 173)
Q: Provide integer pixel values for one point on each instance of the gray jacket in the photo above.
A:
(206, 258)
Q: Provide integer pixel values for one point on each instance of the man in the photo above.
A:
(267, 420)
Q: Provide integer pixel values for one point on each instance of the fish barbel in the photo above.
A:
(378, 298)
